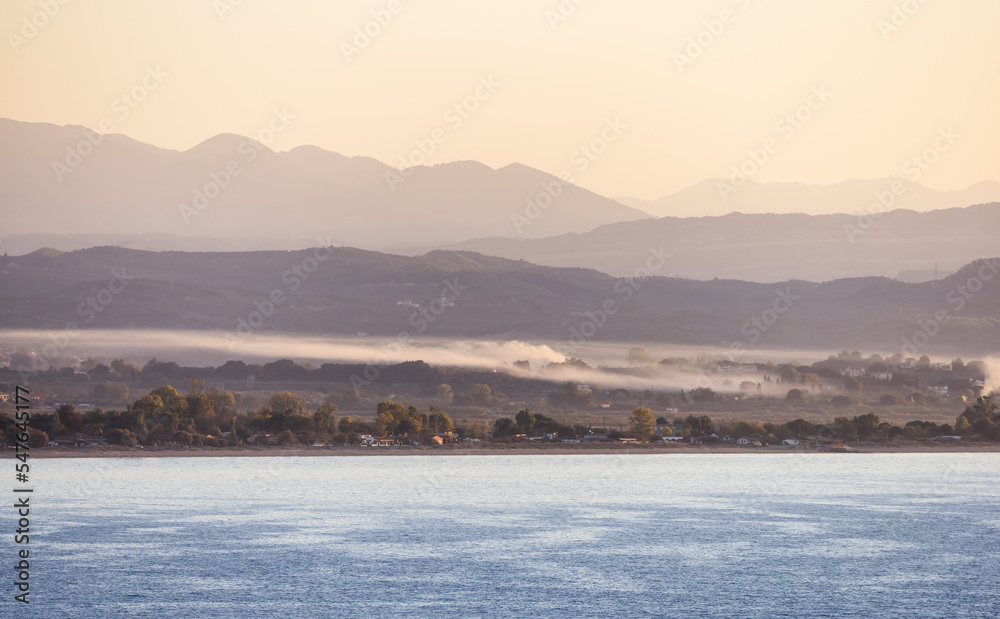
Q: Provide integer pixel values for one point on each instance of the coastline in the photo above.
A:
(506, 450)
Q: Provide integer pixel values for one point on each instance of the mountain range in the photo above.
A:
(340, 291)
(69, 188)
(68, 180)
(707, 198)
(900, 244)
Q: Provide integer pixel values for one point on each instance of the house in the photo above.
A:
(791, 442)
(751, 441)
(86, 440)
(595, 438)
(77, 440)
(672, 439)
(884, 377)
(570, 440)
(378, 441)
(584, 388)
(852, 372)
(437, 440)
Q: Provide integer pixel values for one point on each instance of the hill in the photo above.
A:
(342, 291)
(773, 247)
(55, 180)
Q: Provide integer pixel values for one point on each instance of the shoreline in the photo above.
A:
(507, 450)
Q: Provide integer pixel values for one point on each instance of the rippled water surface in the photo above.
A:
(789, 535)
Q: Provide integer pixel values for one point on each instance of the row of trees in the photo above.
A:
(980, 420)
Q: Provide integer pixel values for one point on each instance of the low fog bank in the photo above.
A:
(609, 365)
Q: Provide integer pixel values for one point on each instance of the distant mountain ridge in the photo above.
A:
(56, 180)
(771, 247)
(351, 291)
(706, 199)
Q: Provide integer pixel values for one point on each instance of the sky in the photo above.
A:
(693, 88)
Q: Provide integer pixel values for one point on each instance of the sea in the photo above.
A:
(658, 535)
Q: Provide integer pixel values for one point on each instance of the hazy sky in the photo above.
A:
(557, 81)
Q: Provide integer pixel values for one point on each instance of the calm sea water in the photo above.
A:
(808, 535)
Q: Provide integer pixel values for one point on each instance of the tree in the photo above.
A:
(702, 394)
(841, 401)
(865, 425)
(200, 406)
(147, 412)
(957, 365)
(984, 407)
(700, 426)
(286, 401)
(795, 395)
(888, 400)
(525, 421)
(665, 400)
(173, 402)
(444, 393)
(69, 417)
(385, 424)
(481, 393)
(37, 438)
(504, 426)
(440, 422)
(479, 429)
(323, 418)
(637, 355)
(642, 422)
(286, 438)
